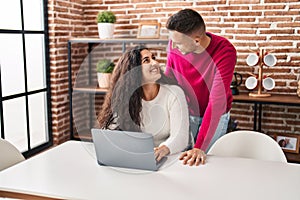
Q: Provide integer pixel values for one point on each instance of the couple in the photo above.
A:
(142, 98)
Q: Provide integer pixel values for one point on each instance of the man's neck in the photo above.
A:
(204, 43)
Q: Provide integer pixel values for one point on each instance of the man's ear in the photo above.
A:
(197, 40)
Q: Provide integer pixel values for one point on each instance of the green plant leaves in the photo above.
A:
(106, 17)
(105, 66)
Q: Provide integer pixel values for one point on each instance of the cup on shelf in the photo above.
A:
(252, 59)
(251, 82)
(270, 60)
(268, 83)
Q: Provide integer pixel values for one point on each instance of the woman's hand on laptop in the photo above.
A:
(192, 157)
(161, 152)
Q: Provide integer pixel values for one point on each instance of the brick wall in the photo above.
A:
(66, 19)
(269, 24)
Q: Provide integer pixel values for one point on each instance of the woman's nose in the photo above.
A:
(154, 62)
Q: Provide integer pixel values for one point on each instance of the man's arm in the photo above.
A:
(217, 100)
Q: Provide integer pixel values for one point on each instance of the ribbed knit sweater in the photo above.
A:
(205, 79)
(166, 117)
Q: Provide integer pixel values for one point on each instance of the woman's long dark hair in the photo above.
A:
(123, 102)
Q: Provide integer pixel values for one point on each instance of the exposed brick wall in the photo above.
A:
(269, 24)
(66, 20)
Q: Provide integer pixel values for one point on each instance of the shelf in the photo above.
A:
(117, 40)
(83, 136)
(91, 90)
(282, 99)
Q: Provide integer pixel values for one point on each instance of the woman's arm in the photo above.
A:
(179, 120)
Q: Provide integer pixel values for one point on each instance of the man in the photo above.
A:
(203, 65)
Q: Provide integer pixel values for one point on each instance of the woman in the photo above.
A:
(142, 98)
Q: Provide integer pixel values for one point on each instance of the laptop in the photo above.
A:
(125, 149)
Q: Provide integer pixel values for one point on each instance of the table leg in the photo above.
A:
(91, 97)
(259, 117)
(123, 47)
(255, 117)
(70, 89)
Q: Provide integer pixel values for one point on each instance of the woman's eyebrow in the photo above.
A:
(145, 58)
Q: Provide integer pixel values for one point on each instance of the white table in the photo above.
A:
(70, 171)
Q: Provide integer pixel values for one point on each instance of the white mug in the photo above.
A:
(252, 59)
(251, 82)
(270, 60)
(268, 83)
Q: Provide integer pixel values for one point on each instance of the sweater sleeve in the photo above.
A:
(218, 98)
(179, 121)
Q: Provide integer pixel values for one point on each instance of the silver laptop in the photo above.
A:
(125, 149)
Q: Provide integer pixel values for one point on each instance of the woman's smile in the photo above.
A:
(154, 70)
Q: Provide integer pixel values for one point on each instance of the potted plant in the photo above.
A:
(104, 69)
(106, 20)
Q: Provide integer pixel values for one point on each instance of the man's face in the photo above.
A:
(182, 42)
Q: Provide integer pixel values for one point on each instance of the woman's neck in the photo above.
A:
(150, 91)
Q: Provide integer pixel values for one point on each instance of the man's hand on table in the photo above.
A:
(194, 156)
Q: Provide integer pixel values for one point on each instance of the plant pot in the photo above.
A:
(104, 79)
(106, 30)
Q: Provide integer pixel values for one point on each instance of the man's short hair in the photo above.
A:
(186, 21)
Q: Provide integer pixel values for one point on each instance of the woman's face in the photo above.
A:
(150, 67)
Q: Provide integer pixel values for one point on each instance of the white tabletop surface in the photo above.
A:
(70, 171)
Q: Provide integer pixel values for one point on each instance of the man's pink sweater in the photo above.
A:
(206, 79)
